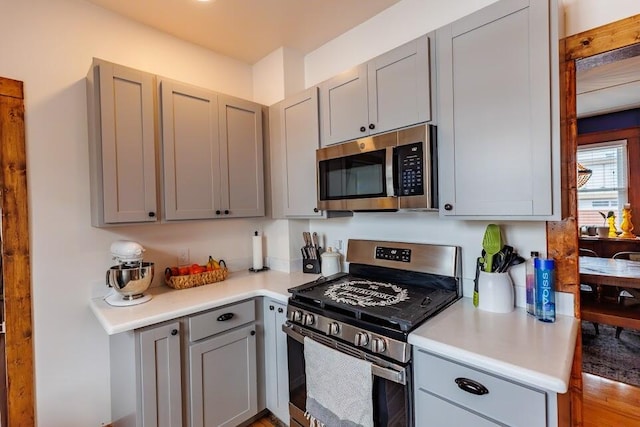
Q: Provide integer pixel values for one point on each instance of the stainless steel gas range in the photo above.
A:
(391, 288)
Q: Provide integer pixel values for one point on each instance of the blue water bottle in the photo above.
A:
(545, 289)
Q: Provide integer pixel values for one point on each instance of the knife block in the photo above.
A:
(311, 266)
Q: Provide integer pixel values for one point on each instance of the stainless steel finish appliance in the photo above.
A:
(131, 277)
(391, 288)
(388, 172)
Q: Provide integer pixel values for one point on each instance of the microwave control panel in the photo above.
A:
(410, 160)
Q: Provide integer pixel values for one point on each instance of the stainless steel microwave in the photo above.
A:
(387, 172)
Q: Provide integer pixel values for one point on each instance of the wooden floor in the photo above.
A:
(609, 403)
(264, 422)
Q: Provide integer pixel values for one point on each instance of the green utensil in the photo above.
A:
(476, 298)
(491, 243)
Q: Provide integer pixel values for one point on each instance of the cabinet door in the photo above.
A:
(160, 379)
(223, 379)
(300, 140)
(399, 85)
(123, 153)
(276, 368)
(344, 106)
(191, 153)
(495, 133)
(241, 154)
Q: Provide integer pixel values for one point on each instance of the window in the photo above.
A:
(607, 188)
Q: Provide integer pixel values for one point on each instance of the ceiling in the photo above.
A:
(607, 88)
(248, 30)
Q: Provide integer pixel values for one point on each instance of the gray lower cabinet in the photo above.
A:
(388, 92)
(212, 152)
(498, 135)
(122, 144)
(223, 385)
(146, 380)
(448, 393)
(275, 354)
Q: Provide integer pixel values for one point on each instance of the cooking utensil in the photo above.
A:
(501, 263)
(491, 243)
(315, 239)
(476, 297)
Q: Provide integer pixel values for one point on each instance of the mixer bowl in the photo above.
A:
(130, 281)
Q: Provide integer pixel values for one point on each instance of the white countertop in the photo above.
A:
(168, 303)
(513, 345)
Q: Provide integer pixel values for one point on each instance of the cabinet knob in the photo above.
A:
(448, 207)
(280, 310)
(174, 332)
(372, 126)
(218, 212)
(253, 333)
(271, 307)
(152, 214)
(226, 212)
(316, 210)
(471, 386)
(363, 129)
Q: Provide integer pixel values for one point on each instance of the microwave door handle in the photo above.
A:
(389, 172)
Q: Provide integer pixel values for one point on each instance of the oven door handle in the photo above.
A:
(397, 376)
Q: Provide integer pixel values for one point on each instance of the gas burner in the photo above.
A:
(366, 293)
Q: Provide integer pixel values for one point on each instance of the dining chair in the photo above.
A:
(627, 296)
(589, 291)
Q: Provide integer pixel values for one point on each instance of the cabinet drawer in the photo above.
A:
(506, 401)
(220, 320)
(434, 412)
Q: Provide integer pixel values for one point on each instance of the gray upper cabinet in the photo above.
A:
(212, 154)
(295, 139)
(496, 131)
(389, 92)
(242, 175)
(191, 152)
(122, 144)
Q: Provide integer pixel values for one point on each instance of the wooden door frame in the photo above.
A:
(16, 268)
(562, 236)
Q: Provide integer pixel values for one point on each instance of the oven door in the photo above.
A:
(392, 390)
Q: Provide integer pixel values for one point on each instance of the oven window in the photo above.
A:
(358, 176)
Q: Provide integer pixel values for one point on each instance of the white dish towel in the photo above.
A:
(339, 388)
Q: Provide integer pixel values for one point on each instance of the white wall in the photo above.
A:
(582, 15)
(48, 44)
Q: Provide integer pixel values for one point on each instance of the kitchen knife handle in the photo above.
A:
(471, 386)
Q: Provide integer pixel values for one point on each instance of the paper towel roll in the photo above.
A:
(257, 252)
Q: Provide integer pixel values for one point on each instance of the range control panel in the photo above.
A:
(393, 254)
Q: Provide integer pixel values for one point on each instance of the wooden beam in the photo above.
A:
(16, 268)
(604, 38)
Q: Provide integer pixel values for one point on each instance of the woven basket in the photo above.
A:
(192, 280)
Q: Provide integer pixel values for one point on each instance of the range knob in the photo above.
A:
(378, 345)
(334, 328)
(361, 339)
(295, 316)
(309, 319)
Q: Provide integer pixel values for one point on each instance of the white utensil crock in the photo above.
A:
(330, 263)
(495, 292)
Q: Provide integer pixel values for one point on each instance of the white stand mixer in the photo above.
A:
(131, 277)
